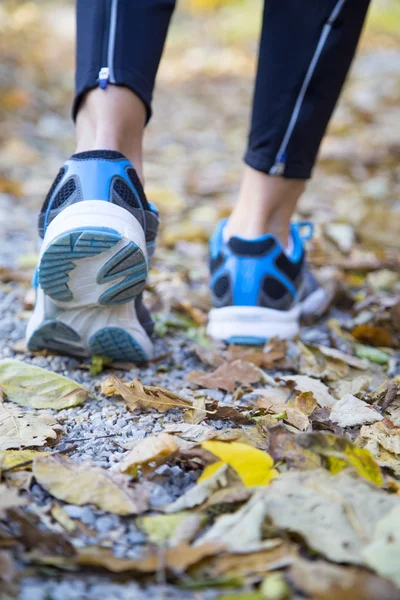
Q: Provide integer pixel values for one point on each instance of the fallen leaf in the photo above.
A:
(19, 429)
(9, 498)
(197, 413)
(32, 386)
(171, 530)
(278, 555)
(227, 376)
(389, 439)
(144, 397)
(353, 386)
(253, 466)
(190, 432)
(225, 412)
(320, 391)
(383, 553)
(155, 448)
(372, 335)
(85, 483)
(284, 446)
(305, 403)
(61, 516)
(350, 411)
(350, 360)
(335, 514)
(372, 354)
(273, 351)
(177, 559)
(341, 452)
(321, 580)
(18, 459)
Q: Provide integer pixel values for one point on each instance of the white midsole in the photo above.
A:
(253, 322)
(87, 321)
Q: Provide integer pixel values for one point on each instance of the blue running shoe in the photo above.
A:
(258, 291)
(98, 236)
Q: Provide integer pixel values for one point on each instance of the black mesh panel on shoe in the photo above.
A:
(274, 294)
(137, 184)
(64, 193)
(287, 267)
(251, 247)
(216, 262)
(122, 189)
(96, 154)
(221, 286)
(55, 183)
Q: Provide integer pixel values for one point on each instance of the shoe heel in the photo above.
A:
(101, 260)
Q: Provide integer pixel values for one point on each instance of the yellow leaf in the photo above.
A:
(253, 466)
(18, 459)
(209, 471)
(154, 448)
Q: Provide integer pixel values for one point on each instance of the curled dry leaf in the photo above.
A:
(144, 397)
(350, 411)
(38, 388)
(284, 446)
(86, 483)
(228, 376)
(372, 335)
(350, 360)
(22, 430)
(320, 391)
(19, 459)
(152, 449)
(385, 436)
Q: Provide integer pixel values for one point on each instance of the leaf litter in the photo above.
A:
(256, 456)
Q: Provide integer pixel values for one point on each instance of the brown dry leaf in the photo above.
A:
(283, 446)
(190, 432)
(273, 395)
(251, 564)
(274, 351)
(155, 448)
(320, 391)
(22, 430)
(231, 495)
(19, 275)
(321, 580)
(144, 397)
(225, 412)
(372, 335)
(228, 376)
(177, 559)
(86, 483)
(9, 498)
(353, 386)
(306, 403)
(290, 414)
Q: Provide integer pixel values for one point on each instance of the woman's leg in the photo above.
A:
(305, 53)
(119, 47)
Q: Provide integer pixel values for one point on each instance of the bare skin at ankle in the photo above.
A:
(112, 119)
(265, 205)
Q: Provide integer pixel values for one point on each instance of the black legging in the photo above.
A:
(305, 52)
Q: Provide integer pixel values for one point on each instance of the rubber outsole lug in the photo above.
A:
(56, 337)
(117, 344)
(59, 259)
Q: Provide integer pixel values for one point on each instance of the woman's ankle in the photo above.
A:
(112, 119)
(265, 205)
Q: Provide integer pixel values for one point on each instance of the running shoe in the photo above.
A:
(98, 236)
(259, 289)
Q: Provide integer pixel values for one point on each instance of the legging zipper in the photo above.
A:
(106, 74)
(280, 161)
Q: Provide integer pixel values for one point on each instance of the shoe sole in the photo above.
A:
(93, 261)
(255, 325)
